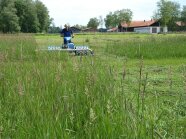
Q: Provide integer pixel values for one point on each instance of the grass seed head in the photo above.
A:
(92, 116)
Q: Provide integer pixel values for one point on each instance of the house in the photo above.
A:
(89, 30)
(115, 29)
(75, 29)
(180, 23)
(181, 26)
(102, 30)
(151, 26)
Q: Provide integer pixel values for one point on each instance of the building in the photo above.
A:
(75, 29)
(115, 29)
(151, 26)
(102, 30)
(147, 30)
(180, 23)
(180, 26)
(90, 30)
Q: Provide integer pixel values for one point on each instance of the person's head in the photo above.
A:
(67, 26)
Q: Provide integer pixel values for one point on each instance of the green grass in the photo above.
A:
(17, 47)
(151, 47)
(110, 95)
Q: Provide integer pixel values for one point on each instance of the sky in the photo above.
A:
(80, 11)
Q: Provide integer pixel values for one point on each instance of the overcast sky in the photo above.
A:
(80, 11)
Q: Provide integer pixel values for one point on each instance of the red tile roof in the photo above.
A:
(113, 29)
(139, 23)
(179, 23)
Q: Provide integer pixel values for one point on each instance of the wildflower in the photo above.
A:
(72, 117)
(92, 116)
(109, 107)
(20, 89)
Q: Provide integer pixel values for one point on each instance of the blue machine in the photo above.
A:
(70, 47)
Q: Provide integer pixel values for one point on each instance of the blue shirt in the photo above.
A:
(66, 33)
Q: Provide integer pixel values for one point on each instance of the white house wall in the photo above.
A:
(146, 29)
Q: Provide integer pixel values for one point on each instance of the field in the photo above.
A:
(133, 87)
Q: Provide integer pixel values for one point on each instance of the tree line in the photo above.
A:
(167, 13)
(28, 16)
(32, 16)
(112, 19)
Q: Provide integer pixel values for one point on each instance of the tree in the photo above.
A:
(52, 28)
(42, 15)
(21, 7)
(183, 14)
(93, 22)
(124, 15)
(101, 21)
(80, 26)
(119, 16)
(23, 15)
(168, 12)
(111, 20)
(8, 18)
(28, 21)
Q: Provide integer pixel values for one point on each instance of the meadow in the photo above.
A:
(133, 87)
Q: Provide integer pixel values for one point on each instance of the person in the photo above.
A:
(66, 33)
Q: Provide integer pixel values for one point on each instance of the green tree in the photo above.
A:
(52, 28)
(125, 15)
(23, 15)
(21, 7)
(101, 21)
(183, 14)
(8, 18)
(26, 10)
(167, 12)
(42, 15)
(111, 20)
(119, 16)
(93, 22)
(80, 26)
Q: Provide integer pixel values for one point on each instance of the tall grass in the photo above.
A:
(58, 95)
(151, 47)
(17, 47)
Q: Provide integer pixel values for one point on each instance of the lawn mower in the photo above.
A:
(70, 47)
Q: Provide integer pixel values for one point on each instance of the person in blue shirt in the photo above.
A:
(66, 33)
